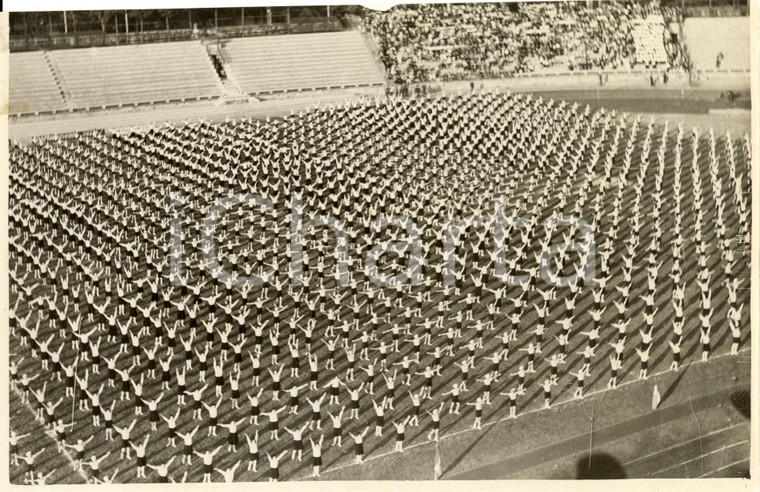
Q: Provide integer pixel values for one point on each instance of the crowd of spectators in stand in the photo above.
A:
(423, 43)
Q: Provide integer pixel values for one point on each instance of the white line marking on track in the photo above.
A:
(723, 468)
(702, 456)
(681, 444)
(504, 419)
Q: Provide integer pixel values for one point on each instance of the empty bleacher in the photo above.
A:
(301, 62)
(706, 37)
(33, 88)
(100, 77)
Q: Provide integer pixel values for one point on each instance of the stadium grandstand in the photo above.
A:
(377, 280)
(234, 59)
(314, 61)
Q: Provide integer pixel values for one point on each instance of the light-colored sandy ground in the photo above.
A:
(707, 36)
(27, 127)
